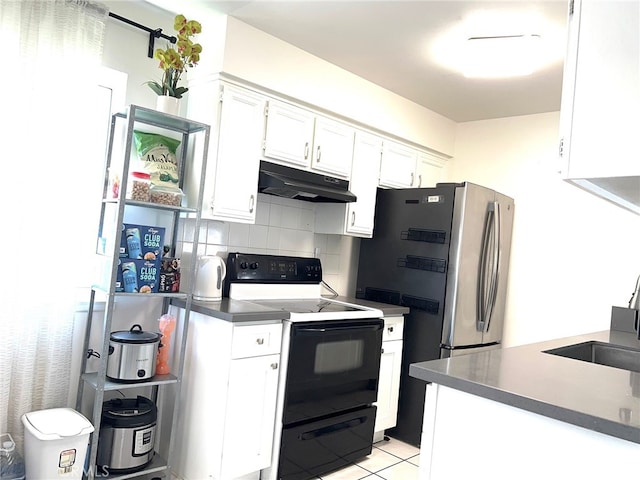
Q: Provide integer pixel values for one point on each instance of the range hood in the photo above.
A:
(302, 185)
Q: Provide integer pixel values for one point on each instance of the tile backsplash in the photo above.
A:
(283, 227)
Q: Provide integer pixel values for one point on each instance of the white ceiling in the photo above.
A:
(385, 42)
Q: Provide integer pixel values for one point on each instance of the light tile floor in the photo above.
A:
(389, 460)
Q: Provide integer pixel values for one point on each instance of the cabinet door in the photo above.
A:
(250, 416)
(398, 165)
(364, 183)
(289, 134)
(600, 117)
(429, 170)
(389, 385)
(355, 218)
(238, 156)
(332, 147)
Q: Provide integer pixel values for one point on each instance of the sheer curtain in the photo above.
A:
(51, 50)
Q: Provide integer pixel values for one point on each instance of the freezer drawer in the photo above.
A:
(315, 448)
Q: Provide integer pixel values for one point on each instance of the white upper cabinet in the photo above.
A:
(600, 110)
(429, 170)
(355, 218)
(398, 165)
(289, 133)
(231, 186)
(301, 138)
(332, 147)
(237, 169)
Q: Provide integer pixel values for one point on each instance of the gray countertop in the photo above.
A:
(247, 311)
(596, 397)
(234, 310)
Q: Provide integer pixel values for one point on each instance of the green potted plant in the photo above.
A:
(174, 60)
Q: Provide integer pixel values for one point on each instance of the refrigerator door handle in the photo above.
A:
(488, 271)
(495, 274)
(481, 292)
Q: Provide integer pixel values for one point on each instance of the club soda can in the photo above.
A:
(130, 277)
(134, 245)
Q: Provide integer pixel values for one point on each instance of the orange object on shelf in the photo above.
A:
(167, 325)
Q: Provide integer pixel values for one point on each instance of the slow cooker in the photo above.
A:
(132, 355)
(127, 434)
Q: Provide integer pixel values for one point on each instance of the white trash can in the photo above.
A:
(55, 443)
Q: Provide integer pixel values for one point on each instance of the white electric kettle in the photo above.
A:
(209, 278)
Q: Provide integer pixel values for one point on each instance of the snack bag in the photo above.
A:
(157, 154)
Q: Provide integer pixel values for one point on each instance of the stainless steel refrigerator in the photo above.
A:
(444, 253)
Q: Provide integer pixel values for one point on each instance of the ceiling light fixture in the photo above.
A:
(501, 56)
(496, 44)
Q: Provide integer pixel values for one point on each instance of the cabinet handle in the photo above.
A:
(318, 154)
(353, 218)
(306, 150)
(419, 180)
(260, 341)
(390, 329)
(382, 350)
(274, 366)
(252, 202)
(412, 177)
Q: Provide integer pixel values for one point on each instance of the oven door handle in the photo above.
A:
(328, 430)
(338, 328)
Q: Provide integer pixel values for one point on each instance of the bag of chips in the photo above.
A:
(157, 154)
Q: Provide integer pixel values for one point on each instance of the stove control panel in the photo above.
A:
(256, 268)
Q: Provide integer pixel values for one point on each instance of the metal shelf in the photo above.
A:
(101, 289)
(163, 120)
(112, 217)
(157, 464)
(155, 206)
(92, 380)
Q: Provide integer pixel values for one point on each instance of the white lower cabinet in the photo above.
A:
(389, 382)
(225, 428)
(250, 417)
(468, 436)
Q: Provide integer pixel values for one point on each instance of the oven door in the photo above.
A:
(333, 366)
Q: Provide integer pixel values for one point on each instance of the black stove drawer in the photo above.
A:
(319, 447)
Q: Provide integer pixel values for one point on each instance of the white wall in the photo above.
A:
(269, 62)
(125, 47)
(573, 255)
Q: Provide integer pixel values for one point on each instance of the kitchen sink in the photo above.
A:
(608, 354)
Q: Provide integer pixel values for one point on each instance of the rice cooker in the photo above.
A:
(127, 434)
(132, 355)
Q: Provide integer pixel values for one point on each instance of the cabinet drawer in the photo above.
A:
(255, 340)
(393, 327)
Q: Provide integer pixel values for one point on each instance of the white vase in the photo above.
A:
(167, 104)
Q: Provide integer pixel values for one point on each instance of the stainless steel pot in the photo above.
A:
(132, 355)
(127, 434)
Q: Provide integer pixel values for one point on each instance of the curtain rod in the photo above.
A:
(153, 34)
